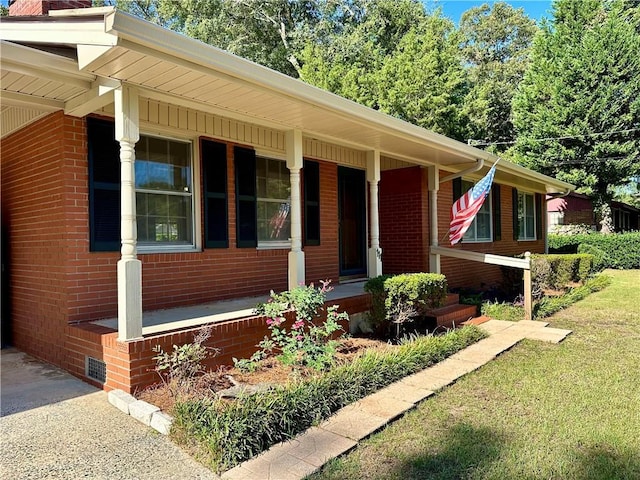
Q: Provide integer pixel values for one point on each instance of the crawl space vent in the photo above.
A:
(96, 369)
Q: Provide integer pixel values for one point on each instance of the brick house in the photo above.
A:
(578, 209)
(146, 175)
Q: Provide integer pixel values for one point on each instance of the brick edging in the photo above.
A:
(142, 411)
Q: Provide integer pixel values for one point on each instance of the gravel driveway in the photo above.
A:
(56, 426)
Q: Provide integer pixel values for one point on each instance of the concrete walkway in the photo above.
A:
(308, 452)
(55, 426)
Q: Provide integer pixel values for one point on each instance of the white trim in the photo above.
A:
(489, 258)
(274, 245)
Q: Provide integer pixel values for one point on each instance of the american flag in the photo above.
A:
(278, 219)
(464, 210)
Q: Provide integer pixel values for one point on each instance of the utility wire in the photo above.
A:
(480, 143)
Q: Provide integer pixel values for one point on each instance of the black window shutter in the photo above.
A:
(104, 186)
(457, 188)
(246, 207)
(497, 208)
(539, 206)
(214, 169)
(311, 174)
(514, 205)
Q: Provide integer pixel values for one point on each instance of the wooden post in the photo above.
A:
(294, 164)
(528, 301)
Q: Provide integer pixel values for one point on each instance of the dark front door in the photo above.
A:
(352, 218)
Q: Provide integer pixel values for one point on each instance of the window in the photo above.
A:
(526, 216)
(273, 202)
(480, 228)
(164, 194)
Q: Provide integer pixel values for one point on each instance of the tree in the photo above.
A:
(577, 111)
(423, 81)
(496, 44)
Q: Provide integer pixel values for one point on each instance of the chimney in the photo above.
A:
(42, 7)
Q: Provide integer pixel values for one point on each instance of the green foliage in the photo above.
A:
(414, 291)
(309, 341)
(556, 271)
(377, 313)
(230, 432)
(179, 368)
(577, 110)
(600, 257)
(622, 249)
(550, 305)
(495, 43)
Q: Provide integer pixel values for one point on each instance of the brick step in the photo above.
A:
(448, 315)
(452, 299)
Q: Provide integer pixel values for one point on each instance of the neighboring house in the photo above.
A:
(577, 209)
(143, 170)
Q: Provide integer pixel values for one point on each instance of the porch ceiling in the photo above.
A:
(182, 71)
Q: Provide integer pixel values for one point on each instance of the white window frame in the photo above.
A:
(271, 244)
(162, 247)
(526, 238)
(466, 185)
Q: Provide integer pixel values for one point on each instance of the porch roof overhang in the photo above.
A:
(72, 59)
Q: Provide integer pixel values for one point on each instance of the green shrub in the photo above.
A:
(378, 312)
(550, 305)
(600, 257)
(231, 432)
(556, 271)
(414, 291)
(622, 249)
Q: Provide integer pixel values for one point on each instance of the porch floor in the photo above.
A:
(158, 321)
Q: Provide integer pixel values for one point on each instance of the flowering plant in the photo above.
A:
(308, 342)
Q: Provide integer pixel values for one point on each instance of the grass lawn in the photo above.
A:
(539, 411)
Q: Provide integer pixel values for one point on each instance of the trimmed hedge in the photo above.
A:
(417, 291)
(377, 313)
(600, 257)
(622, 249)
(228, 433)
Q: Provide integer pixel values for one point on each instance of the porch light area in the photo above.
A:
(159, 321)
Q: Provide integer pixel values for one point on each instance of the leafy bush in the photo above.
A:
(550, 305)
(231, 432)
(414, 292)
(378, 313)
(600, 257)
(623, 249)
(306, 343)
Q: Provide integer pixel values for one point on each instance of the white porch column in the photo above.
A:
(294, 164)
(434, 185)
(373, 177)
(129, 267)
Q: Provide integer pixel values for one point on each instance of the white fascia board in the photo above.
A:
(61, 67)
(184, 50)
(218, 62)
(87, 32)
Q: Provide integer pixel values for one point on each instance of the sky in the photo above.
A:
(453, 9)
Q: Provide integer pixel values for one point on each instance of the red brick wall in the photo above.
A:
(404, 219)
(33, 212)
(321, 261)
(42, 7)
